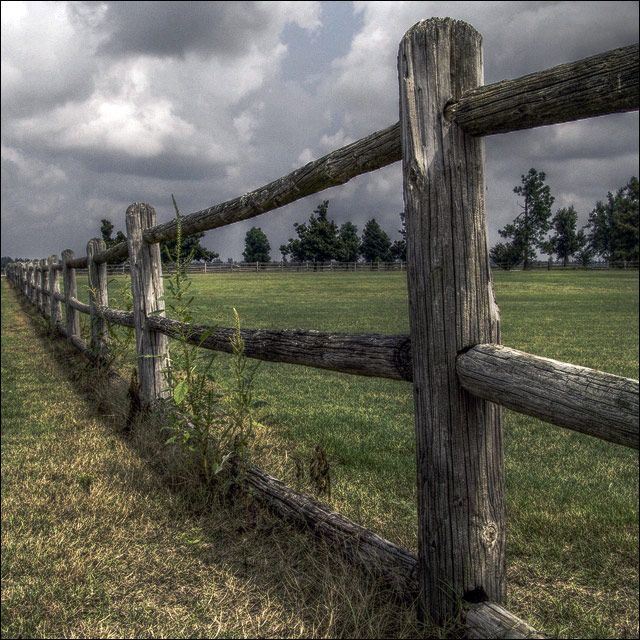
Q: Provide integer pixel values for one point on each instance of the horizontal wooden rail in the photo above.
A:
(595, 86)
(80, 306)
(77, 263)
(124, 318)
(599, 404)
(362, 354)
(593, 402)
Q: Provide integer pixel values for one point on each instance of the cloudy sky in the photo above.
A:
(109, 103)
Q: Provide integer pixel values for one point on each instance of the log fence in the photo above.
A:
(460, 372)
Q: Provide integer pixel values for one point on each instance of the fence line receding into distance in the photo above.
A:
(460, 372)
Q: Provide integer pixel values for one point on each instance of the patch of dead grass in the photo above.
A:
(103, 535)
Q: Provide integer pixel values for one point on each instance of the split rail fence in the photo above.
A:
(460, 372)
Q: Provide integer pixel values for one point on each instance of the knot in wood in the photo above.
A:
(489, 534)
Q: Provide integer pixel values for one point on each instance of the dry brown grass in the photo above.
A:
(101, 539)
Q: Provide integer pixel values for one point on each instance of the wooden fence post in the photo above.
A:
(28, 283)
(43, 300)
(34, 283)
(70, 291)
(147, 290)
(98, 295)
(461, 504)
(54, 287)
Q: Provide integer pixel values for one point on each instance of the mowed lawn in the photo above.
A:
(572, 499)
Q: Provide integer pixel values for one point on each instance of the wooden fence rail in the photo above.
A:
(453, 357)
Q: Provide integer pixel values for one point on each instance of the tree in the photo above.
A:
(189, 244)
(317, 241)
(506, 256)
(349, 249)
(529, 228)
(399, 247)
(583, 254)
(256, 246)
(565, 242)
(7, 260)
(613, 225)
(106, 230)
(376, 245)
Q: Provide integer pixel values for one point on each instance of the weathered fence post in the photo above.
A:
(34, 283)
(70, 291)
(42, 300)
(147, 290)
(461, 504)
(23, 278)
(54, 287)
(29, 276)
(98, 295)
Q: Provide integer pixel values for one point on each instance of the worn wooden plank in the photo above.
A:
(98, 295)
(70, 292)
(361, 354)
(595, 86)
(600, 404)
(147, 290)
(54, 288)
(461, 504)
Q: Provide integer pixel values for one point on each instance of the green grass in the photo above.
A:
(97, 544)
(572, 499)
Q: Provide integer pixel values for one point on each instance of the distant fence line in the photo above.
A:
(352, 267)
(460, 371)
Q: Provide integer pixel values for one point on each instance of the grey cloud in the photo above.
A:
(177, 28)
(286, 115)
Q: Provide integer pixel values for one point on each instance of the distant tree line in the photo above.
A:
(321, 240)
(6, 260)
(610, 234)
(318, 240)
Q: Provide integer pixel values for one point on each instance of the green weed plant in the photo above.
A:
(214, 426)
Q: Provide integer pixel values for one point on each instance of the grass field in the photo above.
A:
(572, 500)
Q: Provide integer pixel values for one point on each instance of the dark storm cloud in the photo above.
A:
(109, 103)
(173, 29)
